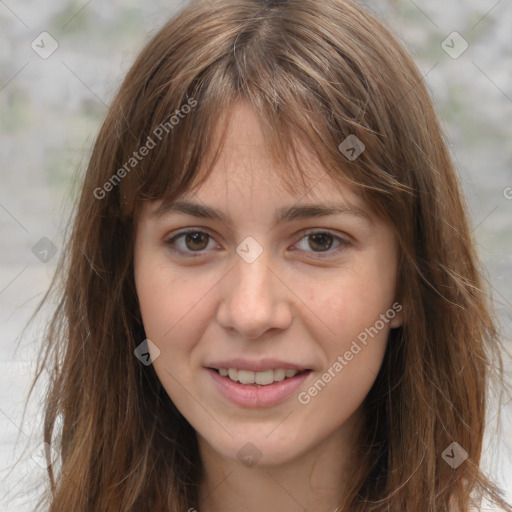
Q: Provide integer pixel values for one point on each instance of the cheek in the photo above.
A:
(175, 312)
(353, 301)
(351, 304)
(160, 294)
(168, 305)
(165, 296)
(166, 309)
(155, 301)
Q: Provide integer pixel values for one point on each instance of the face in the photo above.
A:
(250, 289)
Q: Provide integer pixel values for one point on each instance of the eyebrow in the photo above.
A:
(284, 214)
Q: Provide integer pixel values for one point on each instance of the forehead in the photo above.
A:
(258, 192)
(245, 164)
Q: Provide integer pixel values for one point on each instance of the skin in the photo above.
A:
(291, 304)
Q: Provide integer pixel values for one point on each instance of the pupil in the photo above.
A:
(318, 242)
(322, 240)
(196, 238)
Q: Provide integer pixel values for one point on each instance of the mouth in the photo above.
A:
(262, 378)
(249, 389)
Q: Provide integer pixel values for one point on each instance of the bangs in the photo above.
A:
(296, 137)
(306, 105)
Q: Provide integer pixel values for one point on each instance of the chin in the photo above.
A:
(256, 448)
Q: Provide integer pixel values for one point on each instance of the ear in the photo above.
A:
(398, 319)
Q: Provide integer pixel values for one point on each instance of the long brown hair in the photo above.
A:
(314, 72)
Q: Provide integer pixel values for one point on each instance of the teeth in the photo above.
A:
(262, 378)
(279, 374)
(244, 377)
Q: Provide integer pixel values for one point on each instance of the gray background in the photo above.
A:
(51, 109)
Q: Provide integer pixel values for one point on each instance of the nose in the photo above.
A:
(254, 300)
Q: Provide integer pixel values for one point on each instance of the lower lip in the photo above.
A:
(248, 395)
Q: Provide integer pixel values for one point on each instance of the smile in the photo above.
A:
(267, 388)
(263, 378)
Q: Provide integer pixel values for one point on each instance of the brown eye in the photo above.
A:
(196, 241)
(190, 243)
(321, 241)
(322, 244)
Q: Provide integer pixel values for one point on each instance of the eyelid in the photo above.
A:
(171, 238)
(343, 242)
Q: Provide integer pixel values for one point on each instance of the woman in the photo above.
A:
(271, 299)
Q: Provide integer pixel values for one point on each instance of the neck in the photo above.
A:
(314, 480)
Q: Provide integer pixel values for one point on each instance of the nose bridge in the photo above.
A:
(254, 300)
(252, 289)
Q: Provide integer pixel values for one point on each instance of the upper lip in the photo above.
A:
(259, 365)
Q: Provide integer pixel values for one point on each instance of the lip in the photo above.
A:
(256, 366)
(254, 396)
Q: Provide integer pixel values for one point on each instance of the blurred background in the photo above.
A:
(60, 65)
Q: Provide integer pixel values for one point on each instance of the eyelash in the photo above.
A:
(318, 254)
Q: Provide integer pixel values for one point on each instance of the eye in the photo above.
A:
(194, 243)
(321, 242)
(189, 242)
